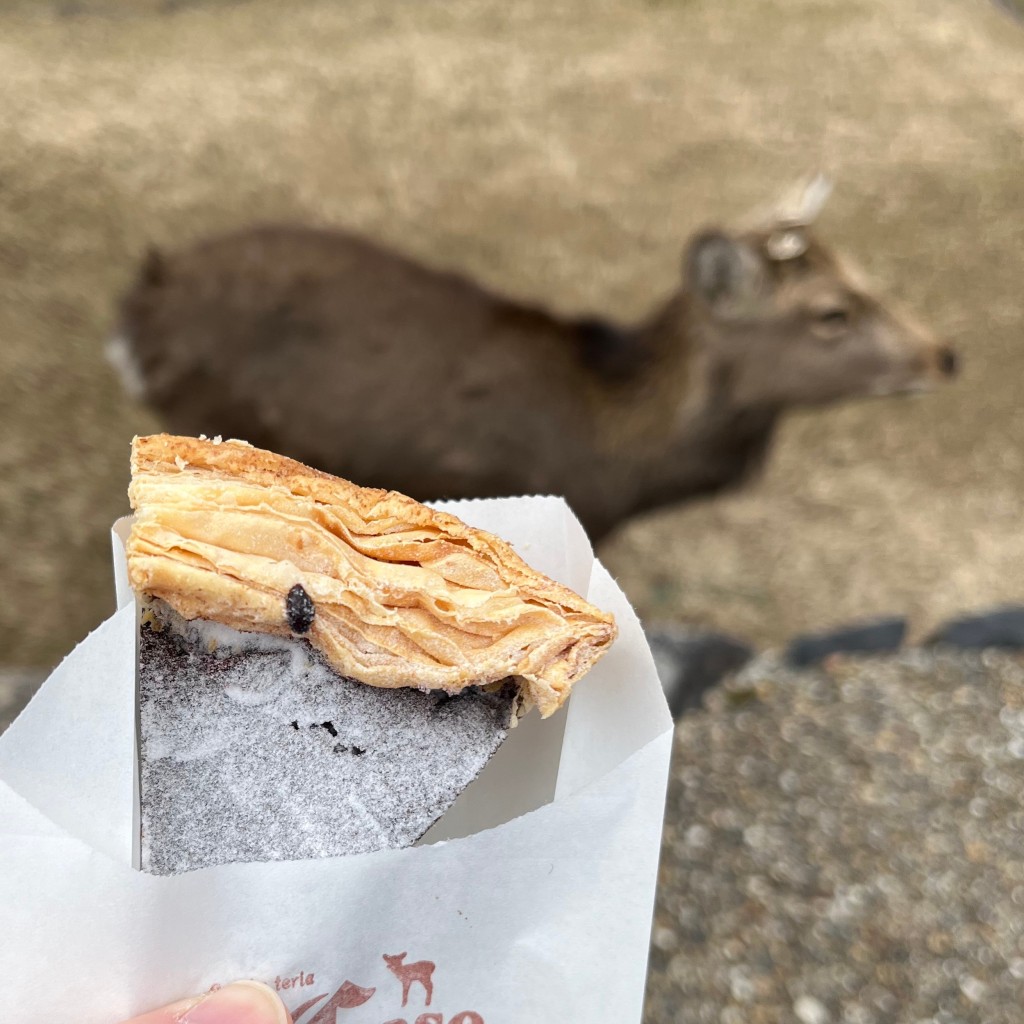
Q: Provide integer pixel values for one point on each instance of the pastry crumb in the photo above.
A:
(148, 617)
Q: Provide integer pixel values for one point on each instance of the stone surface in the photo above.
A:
(847, 842)
(1003, 627)
(881, 635)
(811, 1011)
(690, 661)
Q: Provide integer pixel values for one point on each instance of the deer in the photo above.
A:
(421, 971)
(330, 348)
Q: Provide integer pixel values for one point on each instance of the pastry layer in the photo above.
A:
(401, 595)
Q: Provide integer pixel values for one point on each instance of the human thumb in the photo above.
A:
(243, 1002)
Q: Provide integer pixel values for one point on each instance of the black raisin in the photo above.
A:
(299, 609)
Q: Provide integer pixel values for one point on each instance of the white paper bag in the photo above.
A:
(539, 911)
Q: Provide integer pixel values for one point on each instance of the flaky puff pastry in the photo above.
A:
(403, 595)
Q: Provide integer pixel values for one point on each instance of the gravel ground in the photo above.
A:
(846, 846)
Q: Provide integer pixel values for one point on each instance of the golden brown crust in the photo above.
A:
(404, 595)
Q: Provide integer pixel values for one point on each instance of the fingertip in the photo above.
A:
(242, 1002)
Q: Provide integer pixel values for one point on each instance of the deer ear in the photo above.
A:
(725, 272)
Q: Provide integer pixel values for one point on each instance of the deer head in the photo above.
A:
(791, 322)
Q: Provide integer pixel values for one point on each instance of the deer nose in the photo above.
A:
(949, 362)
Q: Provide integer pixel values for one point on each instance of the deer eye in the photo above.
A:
(834, 317)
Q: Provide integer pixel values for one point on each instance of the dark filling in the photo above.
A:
(265, 753)
(299, 609)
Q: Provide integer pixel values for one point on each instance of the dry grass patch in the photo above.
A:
(560, 151)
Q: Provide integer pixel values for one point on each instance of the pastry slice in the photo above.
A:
(323, 668)
(391, 592)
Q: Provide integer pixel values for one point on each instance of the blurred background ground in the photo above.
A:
(559, 151)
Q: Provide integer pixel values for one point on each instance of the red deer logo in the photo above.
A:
(421, 971)
(347, 997)
(324, 1009)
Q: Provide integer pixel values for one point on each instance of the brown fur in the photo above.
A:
(349, 357)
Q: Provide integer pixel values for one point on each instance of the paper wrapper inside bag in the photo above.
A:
(541, 911)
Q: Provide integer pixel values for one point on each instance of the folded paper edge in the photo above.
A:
(61, 834)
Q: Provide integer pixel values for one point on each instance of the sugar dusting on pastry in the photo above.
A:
(256, 750)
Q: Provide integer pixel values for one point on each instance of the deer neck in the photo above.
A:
(710, 437)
